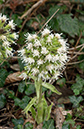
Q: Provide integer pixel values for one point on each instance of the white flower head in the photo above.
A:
(45, 56)
(45, 32)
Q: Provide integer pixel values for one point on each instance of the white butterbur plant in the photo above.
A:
(44, 57)
(7, 37)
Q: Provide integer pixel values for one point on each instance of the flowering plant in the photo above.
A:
(7, 37)
(44, 57)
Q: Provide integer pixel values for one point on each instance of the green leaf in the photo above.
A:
(22, 103)
(61, 82)
(75, 100)
(54, 23)
(28, 126)
(20, 127)
(30, 105)
(10, 94)
(30, 89)
(72, 122)
(21, 87)
(68, 24)
(3, 75)
(81, 66)
(65, 126)
(78, 127)
(17, 101)
(78, 86)
(17, 122)
(48, 124)
(2, 101)
(51, 87)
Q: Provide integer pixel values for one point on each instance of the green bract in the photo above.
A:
(7, 37)
(44, 56)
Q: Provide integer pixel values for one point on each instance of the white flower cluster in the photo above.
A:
(7, 37)
(44, 56)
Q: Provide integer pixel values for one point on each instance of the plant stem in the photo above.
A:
(40, 93)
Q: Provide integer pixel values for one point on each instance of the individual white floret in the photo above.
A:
(55, 58)
(11, 24)
(37, 43)
(34, 71)
(50, 67)
(62, 42)
(61, 50)
(21, 52)
(29, 46)
(50, 37)
(63, 58)
(48, 57)
(3, 18)
(6, 43)
(45, 32)
(30, 60)
(29, 37)
(34, 36)
(44, 50)
(2, 37)
(57, 35)
(35, 53)
(9, 52)
(24, 76)
(39, 62)
(56, 75)
(15, 36)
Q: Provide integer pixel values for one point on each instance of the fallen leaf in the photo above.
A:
(14, 77)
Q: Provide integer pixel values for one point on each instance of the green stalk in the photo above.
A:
(39, 116)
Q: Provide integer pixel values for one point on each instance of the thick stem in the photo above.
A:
(38, 86)
(40, 93)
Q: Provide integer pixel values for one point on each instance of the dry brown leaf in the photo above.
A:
(14, 77)
(15, 67)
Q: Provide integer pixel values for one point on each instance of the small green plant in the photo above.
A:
(44, 57)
